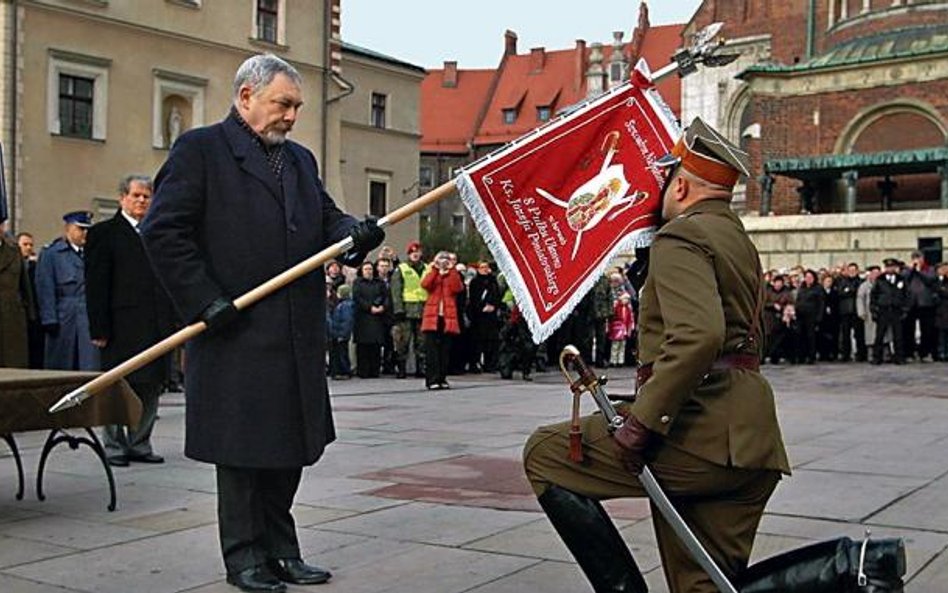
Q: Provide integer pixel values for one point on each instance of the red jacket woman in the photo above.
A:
(443, 286)
(439, 320)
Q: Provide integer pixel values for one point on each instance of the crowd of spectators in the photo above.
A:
(439, 317)
(890, 313)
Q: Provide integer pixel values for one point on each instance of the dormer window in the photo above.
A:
(510, 115)
(543, 113)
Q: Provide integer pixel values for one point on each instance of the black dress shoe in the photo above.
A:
(149, 458)
(118, 461)
(256, 578)
(294, 570)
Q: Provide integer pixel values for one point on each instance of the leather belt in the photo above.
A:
(747, 362)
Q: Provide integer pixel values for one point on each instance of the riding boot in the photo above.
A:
(591, 537)
(835, 566)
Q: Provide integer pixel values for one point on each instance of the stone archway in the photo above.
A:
(898, 125)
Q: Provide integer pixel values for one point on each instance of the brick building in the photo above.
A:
(843, 105)
(467, 113)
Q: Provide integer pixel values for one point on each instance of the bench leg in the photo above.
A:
(57, 436)
(11, 442)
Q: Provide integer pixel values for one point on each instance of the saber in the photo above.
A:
(570, 358)
(84, 392)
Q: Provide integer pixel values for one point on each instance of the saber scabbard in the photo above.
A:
(575, 428)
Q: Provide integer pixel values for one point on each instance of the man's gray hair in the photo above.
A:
(126, 183)
(258, 71)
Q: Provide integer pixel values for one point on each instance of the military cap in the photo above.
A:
(891, 261)
(704, 152)
(80, 218)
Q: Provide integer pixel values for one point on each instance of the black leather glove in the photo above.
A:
(633, 439)
(366, 235)
(219, 313)
(52, 329)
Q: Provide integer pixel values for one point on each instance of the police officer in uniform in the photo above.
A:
(61, 295)
(704, 417)
(889, 304)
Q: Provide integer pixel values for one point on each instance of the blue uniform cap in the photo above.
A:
(80, 218)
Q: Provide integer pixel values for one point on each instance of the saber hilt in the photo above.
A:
(588, 381)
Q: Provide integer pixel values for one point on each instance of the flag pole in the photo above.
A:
(307, 266)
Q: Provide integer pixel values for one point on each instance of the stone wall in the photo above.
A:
(829, 239)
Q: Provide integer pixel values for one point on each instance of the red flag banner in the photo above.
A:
(556, 205)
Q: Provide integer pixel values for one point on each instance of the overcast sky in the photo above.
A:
(428, 32)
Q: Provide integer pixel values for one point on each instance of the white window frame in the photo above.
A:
(171, 83)
(281, 23)
(73, 64)
(378, 178)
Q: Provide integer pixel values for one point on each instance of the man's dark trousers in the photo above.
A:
(852, 327)
(253, 515)
(118, 440)
(889, 318)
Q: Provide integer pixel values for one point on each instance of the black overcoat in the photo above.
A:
(126, 304)
(370, 328)
(220, 224)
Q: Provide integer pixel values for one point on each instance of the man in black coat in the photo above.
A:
(128, 312)
(889, 304)
(851, 327)
(258, 405)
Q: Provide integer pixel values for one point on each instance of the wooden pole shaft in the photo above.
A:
(252, 296)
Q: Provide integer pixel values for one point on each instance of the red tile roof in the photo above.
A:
(525, 89)
(454, 118)
(449, 114)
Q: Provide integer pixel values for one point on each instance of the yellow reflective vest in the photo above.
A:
(412, 292)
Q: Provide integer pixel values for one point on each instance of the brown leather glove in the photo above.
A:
(633, 439)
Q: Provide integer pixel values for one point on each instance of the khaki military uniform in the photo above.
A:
(720, 452)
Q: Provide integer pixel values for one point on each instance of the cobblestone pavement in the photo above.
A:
(423, 491)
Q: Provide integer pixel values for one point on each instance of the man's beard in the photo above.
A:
(274, 137)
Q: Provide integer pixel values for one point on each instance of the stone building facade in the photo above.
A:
(92, 90)
(380, 136)
(843, 106)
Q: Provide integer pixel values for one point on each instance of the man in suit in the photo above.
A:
(851, 327)
(704, 417)
(34, 329)
(128, 312)
(258, 405)
(61, 296)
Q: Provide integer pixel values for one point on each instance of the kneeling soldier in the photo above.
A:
(704, 418)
